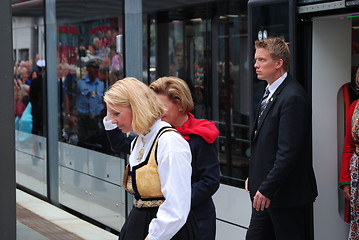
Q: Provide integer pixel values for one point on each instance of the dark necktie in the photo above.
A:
(263, 103)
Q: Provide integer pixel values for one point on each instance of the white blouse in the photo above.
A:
(174, 168)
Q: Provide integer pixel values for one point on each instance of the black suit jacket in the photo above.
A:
(281, 164)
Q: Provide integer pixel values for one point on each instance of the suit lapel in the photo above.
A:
(271, 102)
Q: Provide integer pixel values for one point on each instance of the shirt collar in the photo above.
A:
(276, 83)
(154, 129)
(87, 79)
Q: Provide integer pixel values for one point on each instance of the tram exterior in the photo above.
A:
(210, 45)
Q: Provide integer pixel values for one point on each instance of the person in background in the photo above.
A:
(87, 54)
(34, 66)
(20, 97)
(25, 77)
(36, 98)
(201, 135)
(199, 86)
(114, 76)
(159, 171)
(25, 89)
(348, 179)
(32, 76)
(281, 180)
(104, 76)
(89, 105)
(116, 60)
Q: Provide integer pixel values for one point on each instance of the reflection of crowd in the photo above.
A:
(103, 47)
(82, 106)
(23, 75)
(27, 77)
(75, 83)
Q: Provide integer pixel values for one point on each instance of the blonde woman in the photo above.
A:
(201, 135)
(159, 166)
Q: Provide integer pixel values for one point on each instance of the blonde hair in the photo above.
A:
(176, 90)
(278, 49)
(24, 70)
(145, 107)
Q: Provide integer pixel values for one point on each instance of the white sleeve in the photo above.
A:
(174, 167)
(108, 124)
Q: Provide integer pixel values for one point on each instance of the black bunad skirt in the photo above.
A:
(136, 226)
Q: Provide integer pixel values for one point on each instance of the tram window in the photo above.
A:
(24, 54)
(234, 106)
(29, 47)
(87, 32)
(271, 23)
(206, 45)
(84, 32)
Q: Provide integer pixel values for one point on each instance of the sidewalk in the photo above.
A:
(39, 220)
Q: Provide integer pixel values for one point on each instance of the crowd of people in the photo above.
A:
(24, 72)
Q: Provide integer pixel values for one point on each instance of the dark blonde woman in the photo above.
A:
(201, 135)
(159, 171)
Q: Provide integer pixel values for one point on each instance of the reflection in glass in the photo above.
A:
(29, 67)
(206, 45)
(234, 106)
(30, 85)
(88, 64)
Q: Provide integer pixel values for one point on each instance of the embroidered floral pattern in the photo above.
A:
(353, 168)
(147, 203)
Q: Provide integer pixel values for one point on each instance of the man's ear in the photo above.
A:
(279, 64)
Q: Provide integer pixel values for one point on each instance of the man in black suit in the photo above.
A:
(281, 179)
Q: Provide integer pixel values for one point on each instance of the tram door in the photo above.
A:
(332, 58)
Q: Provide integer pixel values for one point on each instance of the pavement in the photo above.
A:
(39, 220)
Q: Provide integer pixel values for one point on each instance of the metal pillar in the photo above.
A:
(133, 39)
(7, 128)
(52, 103)
(162, 58)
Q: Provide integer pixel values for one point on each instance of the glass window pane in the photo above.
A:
(234, 106)
(29, 68)
(89, 62)
(30, 94)
(206, 45)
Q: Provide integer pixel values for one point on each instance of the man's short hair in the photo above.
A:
(278, 49)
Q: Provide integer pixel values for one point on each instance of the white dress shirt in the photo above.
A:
(275, 85)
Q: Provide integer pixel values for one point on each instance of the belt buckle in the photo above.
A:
(139, 203)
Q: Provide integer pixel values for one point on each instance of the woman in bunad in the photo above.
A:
(349, 173)
(201, 135)
(159, 171)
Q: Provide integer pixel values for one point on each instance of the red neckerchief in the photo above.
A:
(202, 127)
